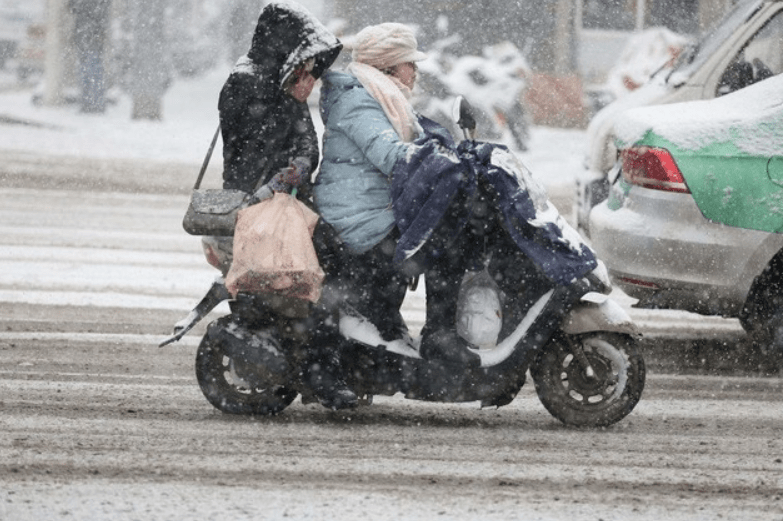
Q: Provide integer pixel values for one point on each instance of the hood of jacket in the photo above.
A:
(286, 35)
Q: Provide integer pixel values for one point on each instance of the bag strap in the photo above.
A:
(207, 158)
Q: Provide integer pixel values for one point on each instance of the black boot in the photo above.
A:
(322, 372)
(321, 375)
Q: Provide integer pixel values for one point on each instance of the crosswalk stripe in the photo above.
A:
(107, 339)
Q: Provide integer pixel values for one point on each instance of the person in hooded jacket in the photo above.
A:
(268, 133)
(270, 144)
(269, 140)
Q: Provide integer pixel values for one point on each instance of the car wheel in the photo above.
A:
(762, 314)
(767, 344)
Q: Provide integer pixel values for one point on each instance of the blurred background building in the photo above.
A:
(570, 45)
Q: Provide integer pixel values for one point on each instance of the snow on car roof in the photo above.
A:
(751, 119)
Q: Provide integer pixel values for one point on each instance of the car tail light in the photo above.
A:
(642, 283)
(652, 168)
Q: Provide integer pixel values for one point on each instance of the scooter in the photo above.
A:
(580, 347)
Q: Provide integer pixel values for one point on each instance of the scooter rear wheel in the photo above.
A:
(232, 387)
(578, 399)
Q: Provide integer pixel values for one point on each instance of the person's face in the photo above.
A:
(406, 73)
(301, 86)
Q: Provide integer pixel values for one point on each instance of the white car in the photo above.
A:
(724, 60)
(694, 219)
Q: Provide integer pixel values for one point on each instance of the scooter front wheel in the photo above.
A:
(598, 397)
(233, 387)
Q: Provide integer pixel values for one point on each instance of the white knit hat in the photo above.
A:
(386, 45)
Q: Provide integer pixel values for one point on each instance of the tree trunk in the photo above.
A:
(150, 73)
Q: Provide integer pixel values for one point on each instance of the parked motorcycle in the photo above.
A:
(578, 344)
(494, 83)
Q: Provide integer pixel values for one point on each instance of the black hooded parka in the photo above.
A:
(263, 128)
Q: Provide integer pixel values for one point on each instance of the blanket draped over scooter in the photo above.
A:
(438, 173)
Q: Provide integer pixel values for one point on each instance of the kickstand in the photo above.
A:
(217, 293)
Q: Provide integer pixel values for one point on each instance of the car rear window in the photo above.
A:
(709, 44)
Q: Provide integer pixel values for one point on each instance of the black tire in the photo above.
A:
(219, 377)
(765, 297)
(761, 315)
(767, 343)
(576, 400)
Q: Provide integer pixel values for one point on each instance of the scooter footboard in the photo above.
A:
(375, 371)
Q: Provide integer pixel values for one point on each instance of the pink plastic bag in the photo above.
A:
(273, 250)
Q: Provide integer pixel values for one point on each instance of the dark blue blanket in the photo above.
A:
(437, 174)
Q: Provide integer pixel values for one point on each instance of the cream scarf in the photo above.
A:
(393, 97)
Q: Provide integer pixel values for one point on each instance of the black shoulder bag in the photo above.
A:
(213, 211)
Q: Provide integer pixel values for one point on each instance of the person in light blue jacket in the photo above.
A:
(360, 149)
(368, 125)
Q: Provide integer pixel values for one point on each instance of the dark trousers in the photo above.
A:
(369, 282)
(377, 287)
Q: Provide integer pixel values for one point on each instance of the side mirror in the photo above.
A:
(463, 115)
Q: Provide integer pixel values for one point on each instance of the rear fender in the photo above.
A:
(254, 352)
(598, 312)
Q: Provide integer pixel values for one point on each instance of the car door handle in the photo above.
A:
(775, 170)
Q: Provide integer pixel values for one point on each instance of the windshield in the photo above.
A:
(692, 58)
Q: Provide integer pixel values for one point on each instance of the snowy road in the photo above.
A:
(97, 422)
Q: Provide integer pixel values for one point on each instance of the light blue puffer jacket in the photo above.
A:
(353, 188)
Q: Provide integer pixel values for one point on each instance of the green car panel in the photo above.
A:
(729, 185)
